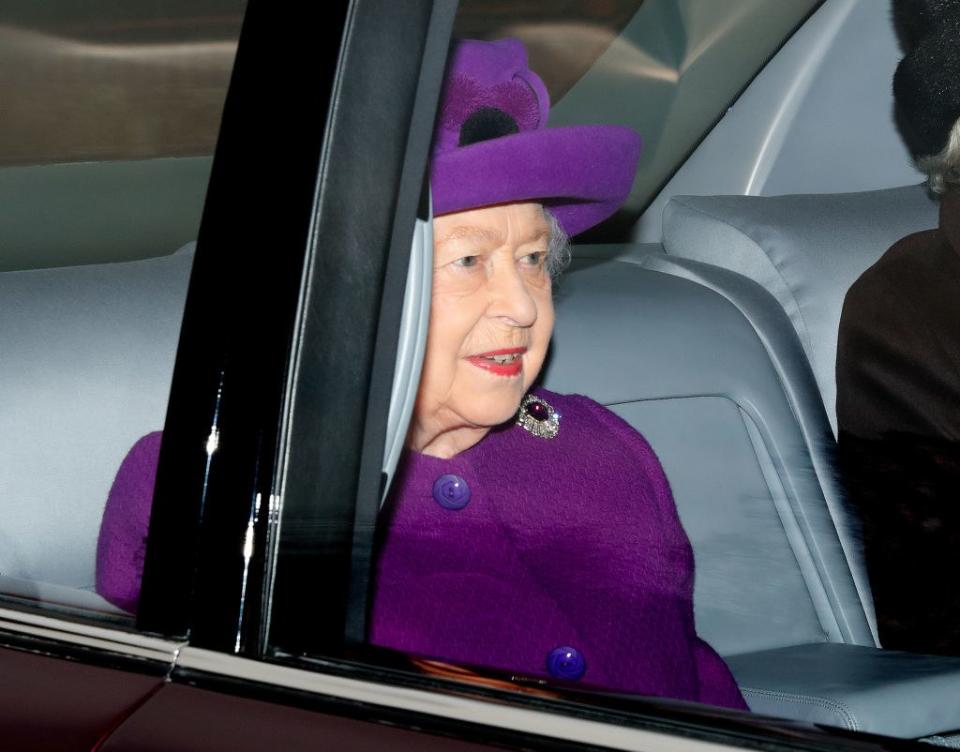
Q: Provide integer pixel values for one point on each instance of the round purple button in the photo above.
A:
(566, 663)
(451, 492)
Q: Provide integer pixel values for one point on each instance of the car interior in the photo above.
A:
(718, 343)
(710, 326)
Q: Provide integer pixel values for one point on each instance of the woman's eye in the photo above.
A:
(467, 262)
(534, 259)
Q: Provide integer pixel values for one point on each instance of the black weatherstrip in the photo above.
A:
(374, 164)
(221, 433)
(413, 196)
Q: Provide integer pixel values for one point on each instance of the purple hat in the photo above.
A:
(492, 146)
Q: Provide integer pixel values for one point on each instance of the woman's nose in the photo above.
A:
(510, 299)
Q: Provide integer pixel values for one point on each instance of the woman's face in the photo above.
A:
(490, 324)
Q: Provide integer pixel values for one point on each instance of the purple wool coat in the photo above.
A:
(568, 559)
(571, 542)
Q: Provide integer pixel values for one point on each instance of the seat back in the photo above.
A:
(86, 359)
(805, 250)
(723, 392)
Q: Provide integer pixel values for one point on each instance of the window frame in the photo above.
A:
(220, 436)
(347, 202)
(234, 371)
(342, 374)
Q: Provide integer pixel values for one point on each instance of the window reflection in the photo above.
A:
(667, 68)
(102, 81)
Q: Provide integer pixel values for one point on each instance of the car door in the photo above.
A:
(110, 118)
(250, 626)
(277, 651)
(81, 673)
(77, 665)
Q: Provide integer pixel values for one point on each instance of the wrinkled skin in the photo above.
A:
(491, 292)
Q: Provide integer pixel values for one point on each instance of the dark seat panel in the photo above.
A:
(854, 687)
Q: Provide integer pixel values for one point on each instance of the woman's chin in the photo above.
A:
(493, 415)
(497, 406)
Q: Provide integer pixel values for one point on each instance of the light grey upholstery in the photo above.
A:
(805, 250)
(787, 359)
(67, 600)
(858, 688)
(86, 358)
(687, 368)
(707, 365)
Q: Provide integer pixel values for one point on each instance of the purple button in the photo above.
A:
(566, 663)
(451, 492)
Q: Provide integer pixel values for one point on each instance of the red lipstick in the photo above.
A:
(506, 362)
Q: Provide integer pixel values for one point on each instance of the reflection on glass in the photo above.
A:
(667, 68)
(98, 81)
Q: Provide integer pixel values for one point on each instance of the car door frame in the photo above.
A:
(305, 199)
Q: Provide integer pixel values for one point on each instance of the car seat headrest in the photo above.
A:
(806, 250)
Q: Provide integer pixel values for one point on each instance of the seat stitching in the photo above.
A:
(827, 704)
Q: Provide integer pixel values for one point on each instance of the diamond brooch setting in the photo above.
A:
(536, 416)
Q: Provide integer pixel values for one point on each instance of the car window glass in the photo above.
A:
(668, 68)
(717, 345)
(479, 20)
(111, 117)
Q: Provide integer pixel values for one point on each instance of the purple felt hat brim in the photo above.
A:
(582, 173)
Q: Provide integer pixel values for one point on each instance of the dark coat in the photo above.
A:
(898, 409)
(898, 353)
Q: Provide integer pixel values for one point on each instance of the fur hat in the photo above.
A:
(926, 85)
(914, 19)
(492, 145)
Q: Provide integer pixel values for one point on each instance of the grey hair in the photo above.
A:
(943, 169)
(558, 248)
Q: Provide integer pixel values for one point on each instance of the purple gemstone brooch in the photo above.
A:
(537, 417)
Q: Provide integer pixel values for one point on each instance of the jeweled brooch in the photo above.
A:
(536, 416)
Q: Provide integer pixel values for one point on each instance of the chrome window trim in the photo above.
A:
(447, 706)
(77, 634)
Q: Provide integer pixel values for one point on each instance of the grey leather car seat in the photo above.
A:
(806, 250)
(706, 364)
(683, 365)
(86, 359)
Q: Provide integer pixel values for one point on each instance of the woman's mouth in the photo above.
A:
(500, 362)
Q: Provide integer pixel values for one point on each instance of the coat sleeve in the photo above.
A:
(126, 518)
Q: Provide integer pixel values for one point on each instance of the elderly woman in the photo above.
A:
(898, 363)
(526, 531)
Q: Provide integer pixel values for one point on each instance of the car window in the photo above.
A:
(692, 344)
(668, 68)
(705, 345)
(111, 117)
(337, 549)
